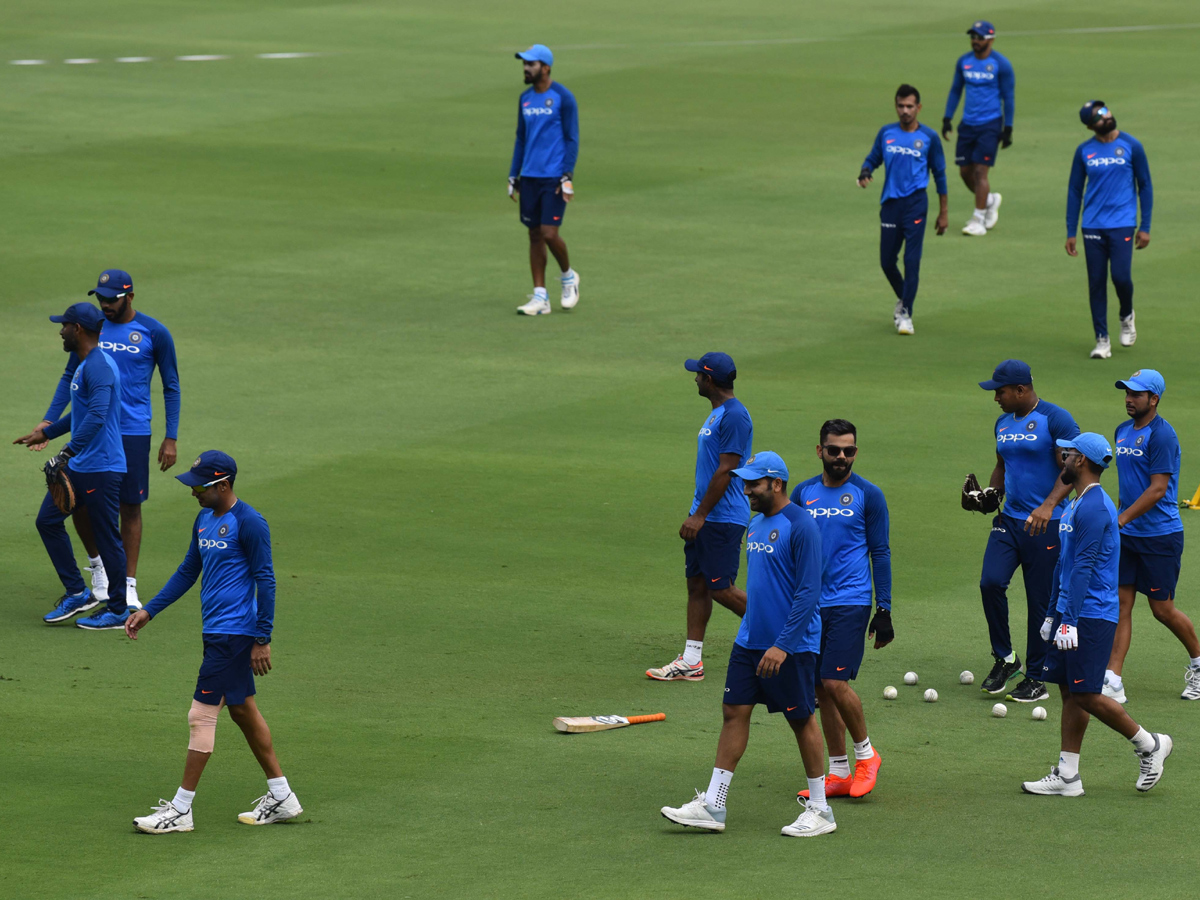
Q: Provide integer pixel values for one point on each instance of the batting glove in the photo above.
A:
(1067, 637)
(881, 627)
(947, 127)
(514, 185)
(568, 189)
(1044, 631)
(1006, 137)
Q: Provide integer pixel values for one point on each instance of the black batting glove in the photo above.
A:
(947, 127)
(881, 627)
(1006, 137)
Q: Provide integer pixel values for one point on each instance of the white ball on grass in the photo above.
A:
(890, 693)
(910, 677)
(931, 696)
(1039, 713)
(999, 710)
(966, 677)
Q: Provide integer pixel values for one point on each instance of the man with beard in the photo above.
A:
(852, 516)
(1117, 176)
(1080, 626)
(542, 169)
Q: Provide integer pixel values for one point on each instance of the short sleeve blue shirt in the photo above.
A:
(1026, 444)
(727, 429)
(1142, 452)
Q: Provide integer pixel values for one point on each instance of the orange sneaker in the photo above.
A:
(835, 786)
(865, 771)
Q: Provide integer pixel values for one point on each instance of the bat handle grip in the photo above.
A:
(653, 717)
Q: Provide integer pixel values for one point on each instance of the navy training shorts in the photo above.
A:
(541, 202)
(978, 144)
(1151, 564)
(843, 640)
(793, 691)
(135, 486)
(1082, 670)
(715, 554)
(225, 671)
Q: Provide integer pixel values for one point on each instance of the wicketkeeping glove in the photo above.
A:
(58, 482)
(972, 494)
(1044, 631)
(568, 189)
(881, 627)
(947, 127)
(1067, 637)
(1006, 136)
(989, 500)
(514, 185)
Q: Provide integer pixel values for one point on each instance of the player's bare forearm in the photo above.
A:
(997, 479)
(34, 438)
(716, 490)
(1147, 501)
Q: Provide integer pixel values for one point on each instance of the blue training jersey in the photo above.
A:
(783, 583)
(853, 520)
(95, 420)
(237, 592)
(137, 347)
(547, 134)
(990, 85)
(1085, 578)
(1026, 444)
(727, 429)
(1142, 452)
(907, 158)
(1117, 175)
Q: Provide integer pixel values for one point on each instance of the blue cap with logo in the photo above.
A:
(983, 28)
(1145, 380)
(763, 465)
(1094, 446)
(210, 466)
(82, 313)
(537, 53)
(1090, 110)
(1011, 371)
(718, 365)
(112, 283)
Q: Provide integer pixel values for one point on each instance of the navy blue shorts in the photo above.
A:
(792, 692)
(977, 144)
(1082, 670)
(225, 671)
(1151, 564)
(843, 640)
(541, 202)
(135, 486)
(716, 554)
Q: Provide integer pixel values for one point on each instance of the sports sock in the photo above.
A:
(991, 199)
(1113, 679)
(980, 213)
(692, 652)
(183, 800)
(278, 787)
(132, 582)
(568, 275)
(1012, 654)
(80, 594)
(1195, 661)
(94, 561)
(540, 293)
(718, 788)
(1143, 741)
(1068, 764)
(840, 766)
(863, 750)
(816, 792)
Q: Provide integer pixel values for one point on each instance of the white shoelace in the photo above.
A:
(1191, 676)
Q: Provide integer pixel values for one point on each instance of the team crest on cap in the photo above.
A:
(1031, 426)
(136, 337)
(752, 459)
(196, 463)
(847, 499)
(1136, 374)
(222, 531)
(104, 278)
(774, 535)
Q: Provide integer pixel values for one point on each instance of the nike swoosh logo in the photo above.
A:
(918, 221)
(1156, 589)
(92, 491)
(841, 668)
(790, 708)
(1090, 155)
(1049, 548)
(1078, 680)
(1120, 440)
(201, 531)
(811, 502)
(206, 692)
(1004, 429)
(715, 580)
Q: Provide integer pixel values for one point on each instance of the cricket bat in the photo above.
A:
(578, 724)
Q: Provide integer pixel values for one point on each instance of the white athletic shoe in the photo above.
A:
(678, 670)
(131, 597)
(165, 818)
(696, 813)
(1102, 350)
(905, 325)
(1152, 761)
(537, 306)
(993, 211)
(570, 288)
(1117, 694)
(268, 810)
(1054, 785)
(99, 582)
(812, 821)
(1128, 331)
(898, 313)
(1191, 684)
(975, 228)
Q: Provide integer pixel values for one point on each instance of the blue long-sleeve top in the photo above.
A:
(783, 583)
(547, 144)
(907, 157)
(1085, 578)
(990, 85)
(95, 419)
(1117, 177)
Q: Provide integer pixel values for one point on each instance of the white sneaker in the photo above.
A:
(905, 325)
(131, 597)
(99, 582)
(1191, 684)
(570, 288)
(1054, 785)
(1152, 762)
(993, 211)
(1128, 331)
(678, 670)
(975, 228)
(696, 814)
(898, 313)
(1102, 350)
(164, 819)
(812, 821)
(1117, 694)
(537, 306)
(268, 810)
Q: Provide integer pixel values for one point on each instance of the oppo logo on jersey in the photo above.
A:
(1129, 451)
(830, 511)
(122, 348)
(1063, 527)
(906, 151)
(1106, 161)
(1000, 439)
(756, 547)
(705, 432)
(971, 75)
(206, 544)
(537, 111)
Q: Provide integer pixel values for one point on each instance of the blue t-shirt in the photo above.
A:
(137, 347)
(1026, 444)
(1118, 178)
(1085, 578)
(1142, 452)
(853, 520)
(95, 420)
(783, 583)
(234, 553)
(547, 134)
(907, 158)
(727, 429)
(989, 83)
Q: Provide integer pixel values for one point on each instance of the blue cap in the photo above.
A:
(1011, 371)
(719, 365)
(983, 28)
(82, 313)
(1094, 446)
(1145, 380)
(211, 465)
(112, 283)
(763, 465)
(1089, 111)
(537, 53)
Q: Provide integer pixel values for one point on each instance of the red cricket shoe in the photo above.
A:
(865, 771)
(835, 786)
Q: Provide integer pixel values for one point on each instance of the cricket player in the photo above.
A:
(231, 545)
(1113, 167)
(1024, 533)
(987, 121)
(908, 151)
(95, 460)
(774, 657)
(542, 170)
(1148, 459)
(1079, 630)
(712, 532)
(138, 344)
(852, 516)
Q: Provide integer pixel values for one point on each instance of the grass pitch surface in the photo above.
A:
(475, 515)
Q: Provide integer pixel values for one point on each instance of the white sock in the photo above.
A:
(980, 213)
(1012, 654)
(183, 800)
(94, 562)
(540, 294)
(1112, 678)
(991, 199)
(863, 750)
(278, 787)
(692, 651)
(1143, 741)
(718, 788)
(568, 275)
(1195, 661)
(840, 766)
(1068, 764)
(816, 792)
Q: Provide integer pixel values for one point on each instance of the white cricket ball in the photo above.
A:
(1039, 713)
(890, 693)
(999, 710)
(966, 677)
(910, 677)
(931, 696)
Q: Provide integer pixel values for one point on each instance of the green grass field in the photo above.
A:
(475, 514)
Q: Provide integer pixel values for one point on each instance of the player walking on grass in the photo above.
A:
(95, 461)
(908, 151)
(231, 545)
(987, 121)
(540, 177)
(1114, 169)
(1148, 459)
(852, 516)
(712, 532)
(774, 657)
(1026, 479)
(1079, 630)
